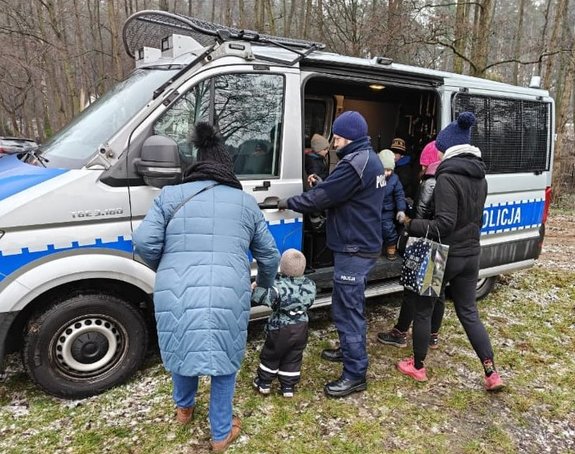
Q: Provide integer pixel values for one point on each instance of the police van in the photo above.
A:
(74, 299)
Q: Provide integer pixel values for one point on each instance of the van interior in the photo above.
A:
(410, 113)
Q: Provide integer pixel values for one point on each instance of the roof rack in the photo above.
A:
(149, 27)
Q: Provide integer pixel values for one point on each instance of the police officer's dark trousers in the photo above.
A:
(282, 354)
(348, 311)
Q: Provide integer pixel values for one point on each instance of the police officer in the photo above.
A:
(352, 195)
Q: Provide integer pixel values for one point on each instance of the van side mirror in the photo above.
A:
(159, 162)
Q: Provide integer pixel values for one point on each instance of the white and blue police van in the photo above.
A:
(76, 302)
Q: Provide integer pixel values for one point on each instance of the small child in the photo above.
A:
(393, 202)
(287, 326)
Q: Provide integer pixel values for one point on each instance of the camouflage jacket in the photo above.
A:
(289, 300)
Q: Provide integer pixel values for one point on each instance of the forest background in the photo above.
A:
(57, 55)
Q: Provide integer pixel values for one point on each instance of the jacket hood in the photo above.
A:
(466, 164)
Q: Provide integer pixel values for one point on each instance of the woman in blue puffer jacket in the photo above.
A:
(198, 235)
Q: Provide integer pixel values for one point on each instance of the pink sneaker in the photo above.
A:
(494, 382)
(407, 367)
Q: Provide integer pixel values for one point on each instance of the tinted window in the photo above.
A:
(513, 135)
(247, 109)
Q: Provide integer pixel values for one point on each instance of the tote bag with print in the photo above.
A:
(423, 266)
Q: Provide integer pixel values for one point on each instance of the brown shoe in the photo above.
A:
(391, 252)
(184, 415)
(222, 445)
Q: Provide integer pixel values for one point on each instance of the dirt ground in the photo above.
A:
(559, 243)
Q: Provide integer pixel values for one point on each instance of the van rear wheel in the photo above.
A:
(84, 345)
(485, 286)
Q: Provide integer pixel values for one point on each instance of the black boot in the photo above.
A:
(345, 386)
(332, 354)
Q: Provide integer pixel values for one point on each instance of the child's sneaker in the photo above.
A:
(407, 367)
(493, 382)
(393, 337)
(434, 341)
(288, 391)
(262, 386)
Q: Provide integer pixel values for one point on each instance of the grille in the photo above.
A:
(512, 134)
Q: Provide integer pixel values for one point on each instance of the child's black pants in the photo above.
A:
(282, 354)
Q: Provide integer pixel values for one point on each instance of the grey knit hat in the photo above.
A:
(292, 263)
(319, 143)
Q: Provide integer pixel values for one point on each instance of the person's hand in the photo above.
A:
(406, 221)
(254, 285)
(282, 204)
(400, 217)
(313, 180)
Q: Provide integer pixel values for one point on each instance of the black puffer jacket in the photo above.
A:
(459, 197)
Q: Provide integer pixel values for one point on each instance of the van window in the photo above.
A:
(247, 109)
(513, 134)
(75, 144)
(316, 115)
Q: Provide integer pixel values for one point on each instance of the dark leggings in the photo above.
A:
(461, 273)
(406, 312)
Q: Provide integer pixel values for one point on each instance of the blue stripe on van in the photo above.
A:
(510, 216)
(287, 233)
(11, 262)
(16, 176)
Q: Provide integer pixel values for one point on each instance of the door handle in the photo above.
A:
(269, 203)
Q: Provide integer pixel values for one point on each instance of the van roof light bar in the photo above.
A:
(147, 29)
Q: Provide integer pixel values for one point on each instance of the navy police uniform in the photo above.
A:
(352, 195)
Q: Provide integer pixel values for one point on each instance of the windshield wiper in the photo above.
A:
(33, 155)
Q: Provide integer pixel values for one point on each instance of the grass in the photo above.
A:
(530, 317)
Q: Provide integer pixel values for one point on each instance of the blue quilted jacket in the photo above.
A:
(202, 291)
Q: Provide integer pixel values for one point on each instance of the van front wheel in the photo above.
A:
(84, 345)
(485, 286)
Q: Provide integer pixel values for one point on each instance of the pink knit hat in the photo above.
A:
(429, 154)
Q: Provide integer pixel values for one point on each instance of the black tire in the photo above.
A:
(485, 286)
(84, 345)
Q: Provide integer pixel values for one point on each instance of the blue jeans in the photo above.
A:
(221, 396)
(348, 307)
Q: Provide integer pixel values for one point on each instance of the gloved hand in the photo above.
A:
(400, 217)
(282, 204)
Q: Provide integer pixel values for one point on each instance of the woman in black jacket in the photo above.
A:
(459, 197)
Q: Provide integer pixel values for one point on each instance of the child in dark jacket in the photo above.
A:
(287, 326)
(315, 159)
(393, 204)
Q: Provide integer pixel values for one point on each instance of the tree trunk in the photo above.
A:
(517, 43)
(482, 37)
(460, 31)
(555, 42)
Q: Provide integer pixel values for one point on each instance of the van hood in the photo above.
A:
(17, 176)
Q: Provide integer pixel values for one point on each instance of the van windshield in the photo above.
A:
(76, 143)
